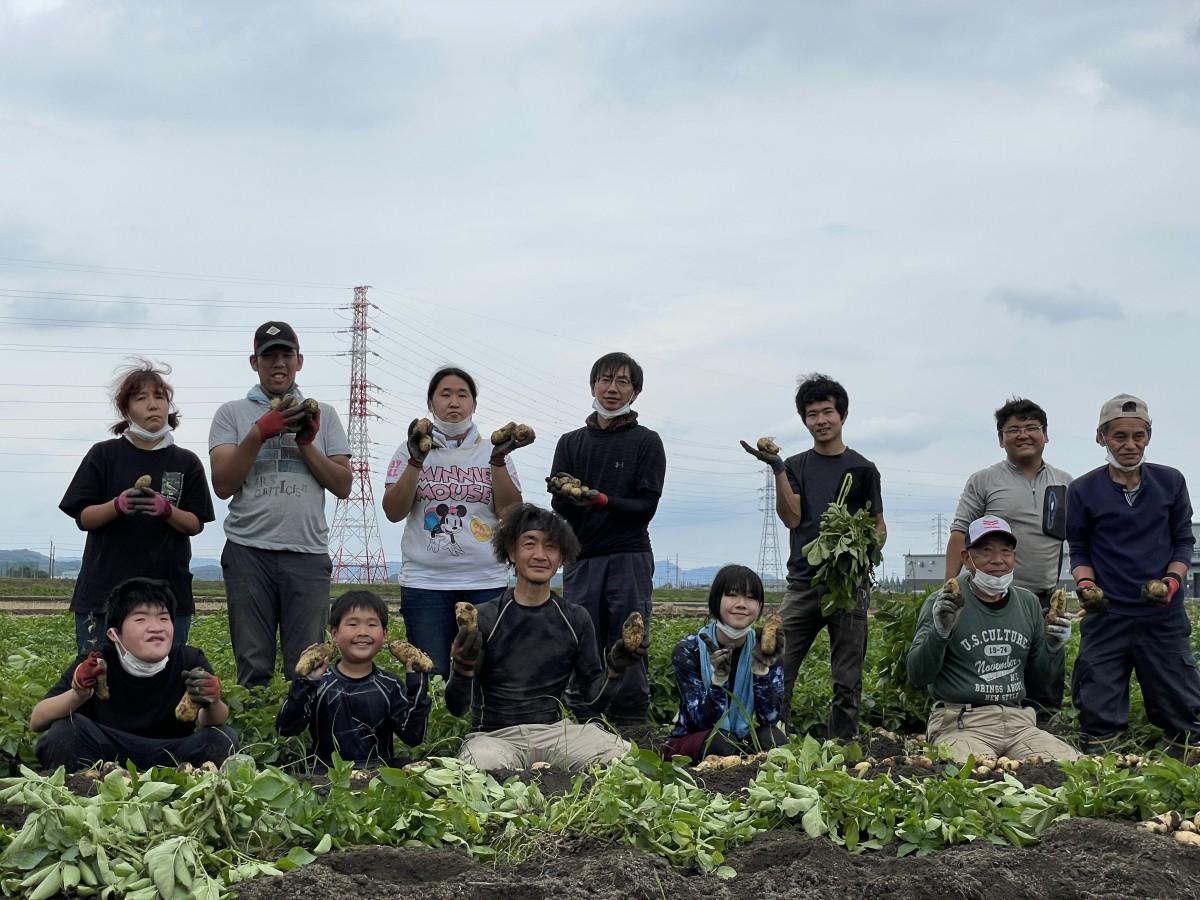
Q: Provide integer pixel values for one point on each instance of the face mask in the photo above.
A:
(992, 585)
(131, 664)
(449, 428)
(163, 436)
(1120, 468)
(734, 633)
(611, 413)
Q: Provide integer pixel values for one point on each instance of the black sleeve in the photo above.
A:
(197, 498)
(876, 491)
(296, 712)
(410, 710)
(64, 682)
(591, 674)
(792, 467)
(87, 488)
(194, 657)
(458, 693)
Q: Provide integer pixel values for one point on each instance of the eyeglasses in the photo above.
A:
(1024, 429)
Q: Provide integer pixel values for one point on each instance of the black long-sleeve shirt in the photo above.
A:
(626, 462)
(356, 717)
(529, 654)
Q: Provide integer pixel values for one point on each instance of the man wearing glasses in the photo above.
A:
(1030, 495)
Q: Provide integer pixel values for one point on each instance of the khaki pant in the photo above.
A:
(993, 731)
(564, 745)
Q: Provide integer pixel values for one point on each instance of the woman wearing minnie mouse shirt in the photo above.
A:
(450, 497)
(130, 532)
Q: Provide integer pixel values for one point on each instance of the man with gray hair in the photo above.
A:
(1129, 527)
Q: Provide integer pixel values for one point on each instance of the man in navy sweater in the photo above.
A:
(1129, 527)
(624, 464)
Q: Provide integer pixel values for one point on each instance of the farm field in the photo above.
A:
(803, 821)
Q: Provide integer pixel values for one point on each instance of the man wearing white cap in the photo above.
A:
(1129, 527)
(976, 640)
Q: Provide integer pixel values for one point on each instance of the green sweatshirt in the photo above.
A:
(986, 656)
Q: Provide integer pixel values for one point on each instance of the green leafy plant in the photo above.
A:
(844, 552)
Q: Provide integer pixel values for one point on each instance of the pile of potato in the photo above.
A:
(1185, 830)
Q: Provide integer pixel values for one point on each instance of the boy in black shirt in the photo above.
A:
(805, 485)
(511, 670)
(353, 708)
(146, 680)
(625, 464)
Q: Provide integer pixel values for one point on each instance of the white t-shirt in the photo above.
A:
(447, 543)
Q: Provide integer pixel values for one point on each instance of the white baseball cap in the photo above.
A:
(985, 525)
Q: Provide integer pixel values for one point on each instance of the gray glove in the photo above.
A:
(720, 659)
(1058, 631)
(946, 611)
(760, 662)
(774, 460)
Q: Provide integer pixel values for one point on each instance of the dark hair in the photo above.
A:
(446, 372)
(360, 599)
(611, 364)
(136, 377)
(517, 520)
(1019, 408)
(134, 592)
(815, 387)
(734, 579)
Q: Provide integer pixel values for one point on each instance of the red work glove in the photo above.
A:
(203, 687)
(157, 505)
(308, 433)
(1174, 583)
(125, 502)
(273, 423)
(88, 672)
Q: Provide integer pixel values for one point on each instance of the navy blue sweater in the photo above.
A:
(1125, 545)
(625, 461)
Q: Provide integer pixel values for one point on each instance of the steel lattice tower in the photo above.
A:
(354, 541)
(768, 550)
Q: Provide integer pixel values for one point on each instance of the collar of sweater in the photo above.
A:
(620, 423)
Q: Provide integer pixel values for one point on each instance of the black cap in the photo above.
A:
(275, 334)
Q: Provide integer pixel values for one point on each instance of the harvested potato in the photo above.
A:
(311, 406)
(766, 445)
(770, 634)
(1092, 599)
(406, 653)
(633, 632)
(1162, 824)
(1157, 589)
(954, 592)
(1188, 825)
(540, 766)
(101, 689)
(524, 434)
(1188, 837)
(424, 431)
(503, 433)
(314, 658)
(186, 710)
(286, 402)
(862, 767)
(1058, 604)
(982, 771)
(466, 615)
(143, 483)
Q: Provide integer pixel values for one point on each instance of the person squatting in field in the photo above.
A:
(275, 465)
(805, 485)
(1029, 494)
(449, 485)
(125, 701)
(730, 681)
(624, 465)
(131, 530)
(976, 641)
(510, 669)
(352, 707)
(1129, 527)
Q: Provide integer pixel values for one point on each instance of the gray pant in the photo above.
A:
(802, 622)
(268, 591)
(993, 731)
(566, 745)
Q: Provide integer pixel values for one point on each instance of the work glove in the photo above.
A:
(88, 672)
(128, 502)
(308, 432)
(1160, 591)
(1058, 631)
(465, 651)
(274, 423)
(508, 438)
(631, 647)
(569, 488)
(720, 660)
(1091, 597)
(769, 645)
(155, 505)
(420, 441)
(202, 686)
(767, 451)
(947, 608)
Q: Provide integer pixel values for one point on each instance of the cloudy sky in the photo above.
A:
(939, 204)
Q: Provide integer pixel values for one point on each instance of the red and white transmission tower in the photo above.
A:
(354, 541)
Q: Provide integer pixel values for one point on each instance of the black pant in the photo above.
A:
(1046, 697)
(802, 622)
(77, 741)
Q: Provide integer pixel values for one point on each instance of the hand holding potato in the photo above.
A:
(767, 451)
(508, 438)
(567, 487)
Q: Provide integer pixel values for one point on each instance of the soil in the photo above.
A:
(1077, 858)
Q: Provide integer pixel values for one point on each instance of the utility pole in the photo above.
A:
(768, 548)
(52, 559)
(939, 529)
(354, 542)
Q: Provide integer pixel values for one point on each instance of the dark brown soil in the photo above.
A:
(1078, 858)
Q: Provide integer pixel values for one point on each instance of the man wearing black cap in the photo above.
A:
(1129, 527)
(275, 465)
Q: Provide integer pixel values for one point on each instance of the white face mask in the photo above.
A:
(1111, 460)
(734, 634)
(992, 585)
(611, 413)
(452, 428)
(163, 436)
(139, 668)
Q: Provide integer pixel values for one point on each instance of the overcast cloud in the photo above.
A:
(939, 204)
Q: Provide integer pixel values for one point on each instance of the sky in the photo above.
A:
(938, 204)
